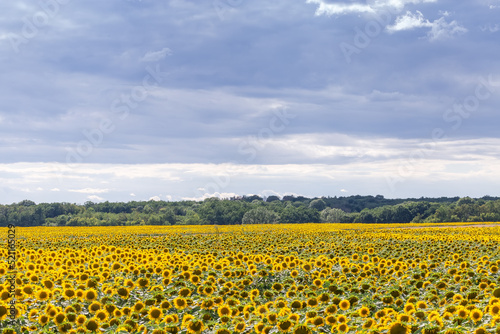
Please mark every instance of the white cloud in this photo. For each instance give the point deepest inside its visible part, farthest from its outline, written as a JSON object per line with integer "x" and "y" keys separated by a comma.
{"x": 156, "y": 55}
{"x": 439, "y": 29}
{"x": 490, "y": 27}
{"x": 442, "y": 29}
{"x": 207, "y": 195}
{"x": 89, "y": 191}
{"x": 328, "y": 8}
{"x": 343, "y": 191}
{"x": 340, "y": 8}
{"x": 268, "y": 192}
{"x": 132, "y": 194}
{"x": 155, "y": 198}
{"x": 55, "y": 189}
{"x": 409, "y": 21}
{"x": 465, "y": 161}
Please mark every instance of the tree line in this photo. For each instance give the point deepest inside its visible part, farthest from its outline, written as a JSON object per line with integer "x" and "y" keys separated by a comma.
{"x": 254, "y": 210}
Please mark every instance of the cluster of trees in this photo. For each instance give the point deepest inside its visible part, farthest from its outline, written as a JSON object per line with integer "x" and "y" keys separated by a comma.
{"x": 254, "y": 210}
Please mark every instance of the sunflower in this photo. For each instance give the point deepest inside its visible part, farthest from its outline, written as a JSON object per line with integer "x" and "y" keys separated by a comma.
{"x": 28, "y": 290}
{"x": 405, "y": 318}
{"x": 364, "y": 312}
{"x": 285, "y": 326}
{"x": 481, "y": 330}
{"x": 138, "y": 306}
{"x": 169, "y": 319}
{"x": 101, "y": 315}
{"x": 342, "y": 318}
{"x": 32, "y": 315}
{"x": 318, "y": 321}
{"x": 195, "y": 326}
{"x": 344, "y": 305}
{"x": 224, "y": 310}
{"x": 122, "y": 292}
{"x": 311, "y": 314}
{"x": 318, "y": 283}
{"x": 267, "y": 329}
{"x": 131, "y": 323}
{"x": 92, "y": 325}
{"x": 68, "y": 293}
{"x": 71, "y": 317}
{"x": 462, "y": 313}
{"x": 90, "y": 295}
{"x": 312, "y": 302}
{"x": 296, "y": 304}
{"x": 280, "y": 303}
{"x": 180, "y": 303}
{"x": 261, "y": 310}
{"x": 258, "y": 327}
{"x": 294, "y": 317}
{"x": 421, "y": 305}
{"x": 4, "y": 295}
{"x": 398, "y": 328}
{"x": 306, "y": 267}
{"x": 43, "y": 319}
{"x": 343, "y": 328}
{"x": 94, "y": 307}
{"x": 64, "y": 328}
{"x": 272, "y": 317}
{"x": 185, "y": 292}
{"x": 433, "y": 315}
{"x": 224, "y": 331}
{"x": 476, "y": 315}
{"x": 155, "y": 314}
{"x": 494, "y": 310}
{"x": 42, "y": 295}
{"x": 52, "y": 312}
{"x": 332, "y": 309}
{"x": 59, "y": 318}
{"x": 302, "y": 329}
{"x": 239, "y": 326}
{"x": 369, "y": 322}
{"x": 34, "y": 278}
{"x": 409, "y": 308}
{"x": 80, "y": 320}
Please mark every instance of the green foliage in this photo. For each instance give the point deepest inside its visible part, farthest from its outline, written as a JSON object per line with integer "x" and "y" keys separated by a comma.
{"x": 317, "y": 204}
{"x": 253, "y": 209}
{"x": 299, "y": 214}
{"x": 332, "y": 215}
{"x": 260, "y": 215}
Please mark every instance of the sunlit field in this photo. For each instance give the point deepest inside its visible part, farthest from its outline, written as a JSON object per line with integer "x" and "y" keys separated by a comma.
{"x": 310, "y": 278}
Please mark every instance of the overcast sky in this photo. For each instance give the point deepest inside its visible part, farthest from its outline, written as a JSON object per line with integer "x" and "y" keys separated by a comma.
{"x": 125, "y": 100}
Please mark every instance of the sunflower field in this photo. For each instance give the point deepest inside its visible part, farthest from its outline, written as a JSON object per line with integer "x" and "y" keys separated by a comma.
{"x": 298, "y": 278}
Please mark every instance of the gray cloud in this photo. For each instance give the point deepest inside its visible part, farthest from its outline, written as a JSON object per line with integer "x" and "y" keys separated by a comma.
{"x": 226, "y": 72}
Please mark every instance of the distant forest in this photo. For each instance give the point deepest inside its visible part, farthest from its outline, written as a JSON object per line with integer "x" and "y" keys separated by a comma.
{"x": 255, "y": 210}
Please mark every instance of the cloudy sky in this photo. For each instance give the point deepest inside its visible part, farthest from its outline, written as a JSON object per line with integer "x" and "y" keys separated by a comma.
{"x": 125, "y": 100}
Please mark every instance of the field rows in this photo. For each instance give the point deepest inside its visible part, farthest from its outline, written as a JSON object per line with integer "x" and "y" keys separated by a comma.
{"x": 310, "y": 278}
